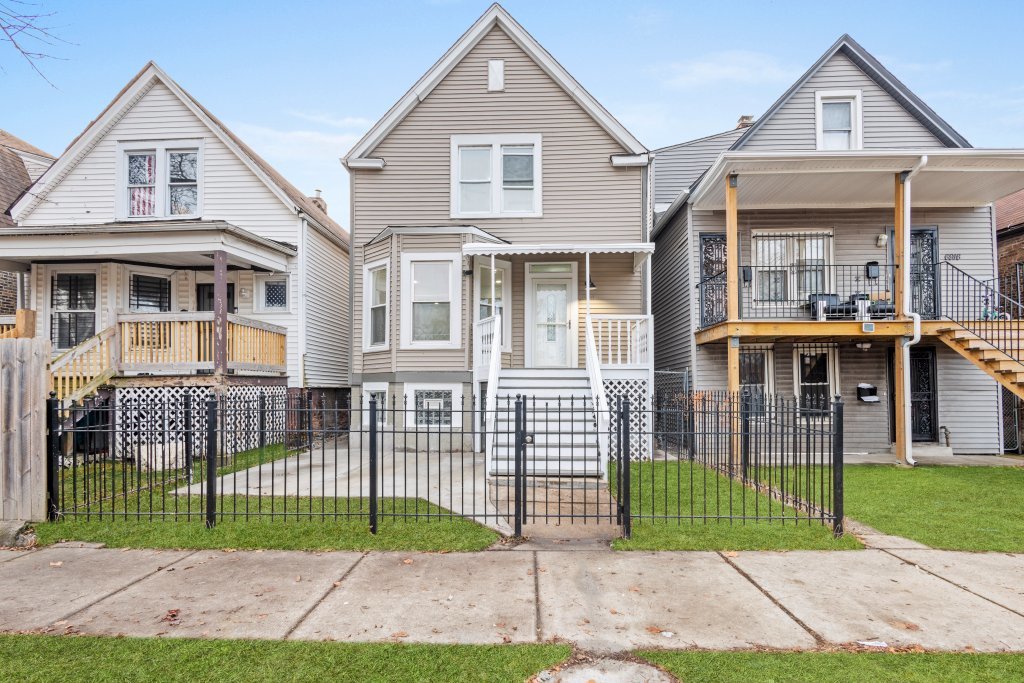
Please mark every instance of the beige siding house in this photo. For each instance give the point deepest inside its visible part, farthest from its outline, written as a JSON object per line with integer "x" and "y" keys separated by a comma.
{"x": 157, "y": 227}
{"x": 498, "y": 159}
{"x": 841, "y": 245}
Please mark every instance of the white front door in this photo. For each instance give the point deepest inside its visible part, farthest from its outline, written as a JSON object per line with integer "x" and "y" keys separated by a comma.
{"x": 551, "y": 332}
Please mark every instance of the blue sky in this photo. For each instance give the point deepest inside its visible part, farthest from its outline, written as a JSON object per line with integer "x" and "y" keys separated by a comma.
{"x": 302, "y": 81}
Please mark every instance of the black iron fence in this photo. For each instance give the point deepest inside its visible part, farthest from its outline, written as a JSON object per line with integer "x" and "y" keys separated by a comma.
{"x": 677, "y": 455}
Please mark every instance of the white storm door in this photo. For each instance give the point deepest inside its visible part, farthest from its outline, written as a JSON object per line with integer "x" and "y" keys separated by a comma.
{"x": 552, "y": 331}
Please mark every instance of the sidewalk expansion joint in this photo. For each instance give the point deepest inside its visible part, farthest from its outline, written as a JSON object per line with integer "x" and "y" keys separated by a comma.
{"x": 536, "y": 596}
{"x": 810, "y": 631}
{"x": 320, "y": 600}
{"x": 125, "y": 587}
{"x": 951, "y": 582}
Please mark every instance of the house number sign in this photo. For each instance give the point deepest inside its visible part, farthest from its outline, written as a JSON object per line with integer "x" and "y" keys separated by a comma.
{"x": 951, "y": 257}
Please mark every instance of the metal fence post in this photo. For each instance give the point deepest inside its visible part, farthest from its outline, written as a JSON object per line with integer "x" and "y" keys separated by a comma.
{"x": 627, "y": 521}
{"x": 187, "y": 408}
{"x": 618, "y": 460}
{"x": 517, "y": 468}
{"x": 262, "y": 409}
{"x": 373, "y": 464}
{"x": 211, "y": 462}
{"x": 837, "y": 468}
{"x": 745, "y": 433}
{"x": 52, "y": 457}
{"x": 309, "y": 420}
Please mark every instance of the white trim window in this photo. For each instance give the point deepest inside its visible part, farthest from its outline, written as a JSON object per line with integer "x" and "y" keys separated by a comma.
{"x": 272, "y": 293}
{"x": 73, "y": 307}
{"x": 378, "y": 390}
{"x": 431, "y": 300}
{"x": 435, "y": 405}
{"x": 482, "y": 296}
{"x": 496, "y": 176}
{"x": 815, "y": 375}
{"x": 161, "y": 179}
{"x": 757, "y": 374}
{"x": 150, "y": 292}
{"x": 790, "y": 266}
{"x": 376, "y": 305}
{"x": 838, "y": 120}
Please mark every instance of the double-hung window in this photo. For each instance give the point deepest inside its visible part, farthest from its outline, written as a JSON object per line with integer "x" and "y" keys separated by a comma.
{"x": 375, "y": 310}
{"x": 757, "y": 375}
{"x": 73, "y": 308}
{"x": 838, "y": 119}
{"x": 161, "y": 179}
{"x": 431, "y": 300}
{"x": 496, "y": 176}
{"x": 791, "y": 266}
{"x": 149, "y": 293}
{"x": 816, "y": 375}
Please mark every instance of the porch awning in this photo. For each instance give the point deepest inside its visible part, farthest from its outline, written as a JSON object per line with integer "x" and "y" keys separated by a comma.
{"x": 861, "y": 179}
{"x": 162, "y": 243}
{"x": 641, "y": 250}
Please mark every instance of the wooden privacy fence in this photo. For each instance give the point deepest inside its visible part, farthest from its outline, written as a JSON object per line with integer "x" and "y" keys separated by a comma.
{"x": 24, "y": 387}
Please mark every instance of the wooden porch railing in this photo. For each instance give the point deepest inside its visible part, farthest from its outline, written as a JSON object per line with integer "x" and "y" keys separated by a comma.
{"x": 77, "y": 371}
{"x": 166, "y": 343}
{"x": 255, "y": 346}
{"x": 21, "y": 325}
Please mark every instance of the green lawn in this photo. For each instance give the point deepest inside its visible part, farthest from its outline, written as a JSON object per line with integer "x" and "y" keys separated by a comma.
{"x": 956, "y": 508}
{"x": 837, "y": 667}
{"x": 55, "y": 658}
{"x": 689, "y": 489}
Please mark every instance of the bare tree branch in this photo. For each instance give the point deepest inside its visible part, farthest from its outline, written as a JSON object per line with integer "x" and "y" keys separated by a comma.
{"x": 24, "y": 27}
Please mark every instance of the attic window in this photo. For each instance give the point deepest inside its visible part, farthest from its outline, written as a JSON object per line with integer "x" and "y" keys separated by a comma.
{"x": 495, "y": 75}
{"x": 160, "y": 179}
{"x": 838, "y": 119}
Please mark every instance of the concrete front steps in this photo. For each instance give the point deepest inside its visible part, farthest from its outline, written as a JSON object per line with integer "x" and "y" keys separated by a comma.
{"x": 559, "y": 417}
{"x": 993, "y": 358}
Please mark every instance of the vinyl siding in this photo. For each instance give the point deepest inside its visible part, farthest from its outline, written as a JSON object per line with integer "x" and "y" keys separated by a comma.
{"x": 969, "y": 404}
{"x": 34, "y": 165}
{"x": 672, "y": 295}
{"x": 328, "y": 319}
{"x": 886, "y": 123}
{"x": 678, "y": 166}
{"x": 585, "y": 199}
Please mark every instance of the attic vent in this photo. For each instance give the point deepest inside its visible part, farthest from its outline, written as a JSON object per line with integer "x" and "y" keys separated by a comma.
{"x": 495, "y": 75}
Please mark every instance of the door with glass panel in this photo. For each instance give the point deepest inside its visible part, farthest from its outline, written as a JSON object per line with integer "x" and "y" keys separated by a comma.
{"x": 552, "y": 299}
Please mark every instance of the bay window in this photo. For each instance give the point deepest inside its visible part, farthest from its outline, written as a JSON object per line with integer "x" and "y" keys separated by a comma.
{"x": 496, "y": 176}
{"x": 375, "y": 306}
{"x": 431, "y": 300}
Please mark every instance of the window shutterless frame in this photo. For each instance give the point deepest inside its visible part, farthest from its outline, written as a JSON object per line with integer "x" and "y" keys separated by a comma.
{"x": 272, "y": 293}
{"x": 830, "y": 388}
{"x": 137, "y": 275}
{"x": 73, "y": 312}
{"x": 161, "y": 181}
{"x": 856, "y": 123}
{"x": 516, "y": 173}
{"x": 454, "y": 299}
{"x": 370, "y": 303}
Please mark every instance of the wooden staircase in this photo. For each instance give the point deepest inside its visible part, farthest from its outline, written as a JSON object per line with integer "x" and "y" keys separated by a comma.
{"x": 993, "y": 347}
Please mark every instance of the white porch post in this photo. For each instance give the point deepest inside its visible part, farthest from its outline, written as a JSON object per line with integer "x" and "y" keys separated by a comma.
{"x": 493, "y": 309}
{"x": 586, "y": 286}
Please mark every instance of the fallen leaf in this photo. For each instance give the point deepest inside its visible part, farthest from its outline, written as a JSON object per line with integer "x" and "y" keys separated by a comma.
{"x": 336, "y": 584}
{"x": 613, "y": 611}
{"x": 732, "y": 553}
{"x": 56, "y": 564}
{"x": 407, "y": 561}
{"x": 399, "y": 634}
{"x": 297, "y": 579}
{"x": 654, "y": 629}
{"x": 634, "y": 589}
{"x": 905, "y": 625}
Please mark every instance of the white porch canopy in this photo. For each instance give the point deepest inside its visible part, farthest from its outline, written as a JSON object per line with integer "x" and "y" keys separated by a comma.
{"x": 861, "y": 179}
{"x": 164, "y": 243}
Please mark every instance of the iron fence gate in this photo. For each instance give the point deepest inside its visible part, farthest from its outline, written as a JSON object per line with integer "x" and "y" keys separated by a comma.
{"x": 684, "y": 455}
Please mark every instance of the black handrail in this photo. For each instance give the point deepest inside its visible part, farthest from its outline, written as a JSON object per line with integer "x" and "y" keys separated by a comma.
{"x": 980, "y": 308}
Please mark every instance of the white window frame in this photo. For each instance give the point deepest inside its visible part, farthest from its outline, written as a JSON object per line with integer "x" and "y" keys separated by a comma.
{"x": 769, "y": 352}
{"x": 496, "y": 142}
{"x": 854, "y": 97}
{"x": 368, "y": 300}
{"x": 150, "y": 272}
{"x": 495, "y": 75}
{"x": 833, "y": 367}
{"x": 411, "y": 388}
{"x": 455, "y": 301}
{"x": 791, "y": 265}
{"x": 505, "y": 268}
{"x": 259, "y": 295}
{"x": 367, "y": 389}
{"x": 55, "y": 270}
{"x": 161, "y": 200}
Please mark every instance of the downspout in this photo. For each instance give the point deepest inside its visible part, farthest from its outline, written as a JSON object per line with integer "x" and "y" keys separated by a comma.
{"x": 908, "y": 299}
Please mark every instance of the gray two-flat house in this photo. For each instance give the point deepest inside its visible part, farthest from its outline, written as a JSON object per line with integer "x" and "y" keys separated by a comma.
{"x": 500, "y": 221}
{"x": 841, "y": 245}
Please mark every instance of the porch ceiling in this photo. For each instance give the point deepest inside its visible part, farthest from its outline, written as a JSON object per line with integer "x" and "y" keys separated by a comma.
{"x": 861, "y": 179}
{"x": 175, "y": 244}
{"x": 484, "y": 249}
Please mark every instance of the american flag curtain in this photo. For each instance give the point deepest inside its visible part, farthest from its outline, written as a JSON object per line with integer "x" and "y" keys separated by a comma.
{"x": 141, "y": 184}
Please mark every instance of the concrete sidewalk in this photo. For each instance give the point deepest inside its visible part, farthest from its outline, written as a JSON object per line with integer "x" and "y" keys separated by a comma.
{"x": 602, "y": 601}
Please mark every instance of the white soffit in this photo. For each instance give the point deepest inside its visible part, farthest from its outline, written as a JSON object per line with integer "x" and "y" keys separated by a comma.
{"x": 479, "y": 249}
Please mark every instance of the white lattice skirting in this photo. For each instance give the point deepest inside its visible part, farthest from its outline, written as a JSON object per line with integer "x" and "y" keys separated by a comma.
{"x": 638, "y": 391}
{"x": 151, "y": 424}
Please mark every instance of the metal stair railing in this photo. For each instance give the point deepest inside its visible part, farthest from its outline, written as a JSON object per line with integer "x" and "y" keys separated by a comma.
{"x": 981, "y": 309}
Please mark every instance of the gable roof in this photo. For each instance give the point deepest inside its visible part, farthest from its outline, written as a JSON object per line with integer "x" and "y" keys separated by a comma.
{"x": 16, "y": 143}
{"x": 885, "y": 80}
{"x": 496, "y": 15}
{"x": 13, "y": 181}
{"x": 290, "y": 195}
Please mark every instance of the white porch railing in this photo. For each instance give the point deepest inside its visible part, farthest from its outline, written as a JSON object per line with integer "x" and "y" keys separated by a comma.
{"x": 487, "y": 356}
{"x": 623, "y": 341}
{"x": 601, "y": 408}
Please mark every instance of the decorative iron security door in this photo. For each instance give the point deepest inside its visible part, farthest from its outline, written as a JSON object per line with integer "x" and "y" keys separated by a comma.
{"x": 923, "y": 261}
{"x": 712, "y": 279}
{"x": 922, "y": 394}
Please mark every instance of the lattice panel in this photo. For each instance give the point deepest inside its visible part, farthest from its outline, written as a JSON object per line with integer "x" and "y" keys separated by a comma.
{"x": 639, "y": 394}
{"x": 151, "y": 424}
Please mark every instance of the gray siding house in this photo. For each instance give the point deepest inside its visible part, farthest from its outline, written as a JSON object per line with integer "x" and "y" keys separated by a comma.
{"x": 794, "y": 258}
{"x": 500, "y": 221}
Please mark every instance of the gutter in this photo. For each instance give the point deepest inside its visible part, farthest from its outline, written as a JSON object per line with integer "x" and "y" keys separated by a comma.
{"x": 907, "y": 298}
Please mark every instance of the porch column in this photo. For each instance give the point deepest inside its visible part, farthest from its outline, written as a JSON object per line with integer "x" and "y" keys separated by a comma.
{"x": 220, "y": 314}
{"x": 901, "y": 354}
{"x": 732, "y": 251}
{"x": 899, "y": 248}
